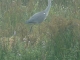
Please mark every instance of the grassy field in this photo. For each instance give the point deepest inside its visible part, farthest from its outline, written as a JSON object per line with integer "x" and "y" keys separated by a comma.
{"x": 57, "y": 38}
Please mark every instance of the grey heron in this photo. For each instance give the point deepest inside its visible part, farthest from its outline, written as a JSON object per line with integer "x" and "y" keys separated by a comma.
{"x": 40, "y": 16}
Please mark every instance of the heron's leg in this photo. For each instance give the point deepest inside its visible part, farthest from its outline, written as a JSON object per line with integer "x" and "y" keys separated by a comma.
{"x": 29, "y": 31}
{"x": 31, "y": 28}
{"x": 39, "y": 29}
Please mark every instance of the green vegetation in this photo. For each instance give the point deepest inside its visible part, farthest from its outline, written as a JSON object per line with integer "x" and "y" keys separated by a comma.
{"x": 57, "y": 38}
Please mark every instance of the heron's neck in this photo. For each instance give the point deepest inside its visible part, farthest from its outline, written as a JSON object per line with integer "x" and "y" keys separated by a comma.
{"x": 48, "y": 7}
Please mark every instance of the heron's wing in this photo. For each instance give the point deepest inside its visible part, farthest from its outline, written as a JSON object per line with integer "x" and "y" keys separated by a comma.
{"x": 37, "y": 18}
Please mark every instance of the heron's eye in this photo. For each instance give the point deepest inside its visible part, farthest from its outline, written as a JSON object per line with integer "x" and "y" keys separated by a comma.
{"x": 44, "y": 13}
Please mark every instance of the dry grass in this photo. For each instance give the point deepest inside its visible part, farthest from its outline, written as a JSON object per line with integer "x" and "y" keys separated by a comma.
{"x": 56, "y": 26}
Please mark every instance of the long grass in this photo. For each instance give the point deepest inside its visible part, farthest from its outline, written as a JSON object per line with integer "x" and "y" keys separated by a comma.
{"x": 57, "y": 38}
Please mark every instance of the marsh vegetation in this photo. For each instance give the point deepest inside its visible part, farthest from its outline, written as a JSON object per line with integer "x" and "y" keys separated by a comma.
{"x": 57, "y": 38}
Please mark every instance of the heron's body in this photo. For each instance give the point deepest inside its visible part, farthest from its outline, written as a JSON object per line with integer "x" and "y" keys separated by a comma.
{"x": 38, "y": 19}
{"x": 40, "y": 16}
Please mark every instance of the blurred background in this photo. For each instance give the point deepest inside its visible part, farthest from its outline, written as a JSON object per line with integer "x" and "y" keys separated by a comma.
{"x": 57, "y": 38}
